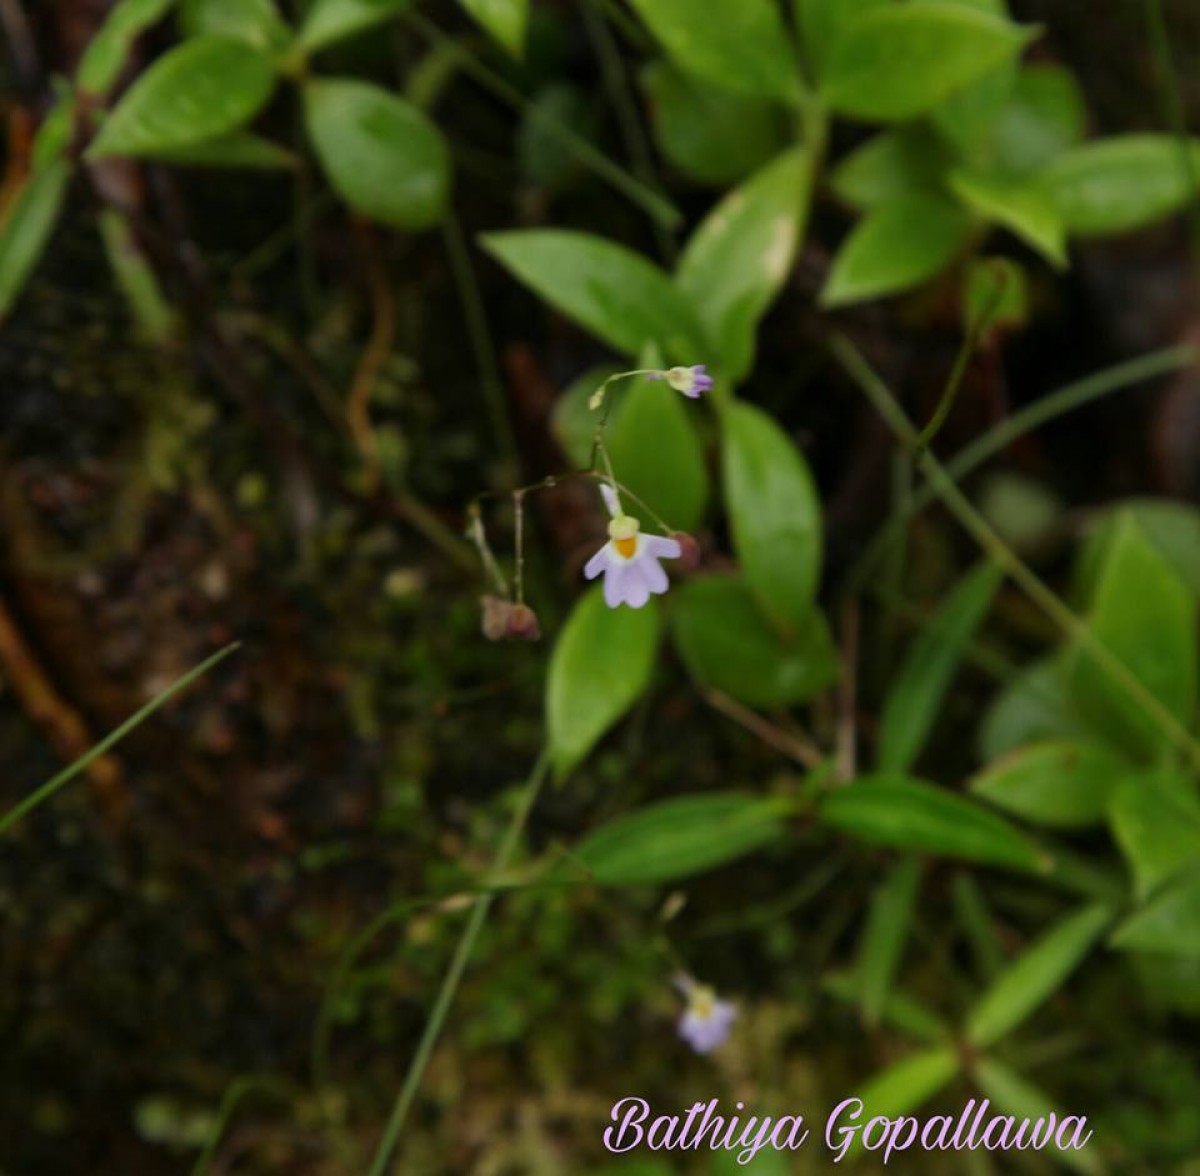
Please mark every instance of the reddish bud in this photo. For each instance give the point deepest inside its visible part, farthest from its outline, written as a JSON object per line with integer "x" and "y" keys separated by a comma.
{"x": 523, "y": 624}
{"x": 689, "y": 549}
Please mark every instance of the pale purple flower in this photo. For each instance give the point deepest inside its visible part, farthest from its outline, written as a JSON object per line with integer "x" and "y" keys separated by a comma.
{"x": 629, "y": 560}
{"x": 691, "y": 381}
{"x": 707, "y": 1020}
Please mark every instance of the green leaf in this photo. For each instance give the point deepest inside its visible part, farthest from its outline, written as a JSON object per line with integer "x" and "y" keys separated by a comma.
{"x": 1035, "y": 705}
{"x": 1169, "y": 924}
{"x": 1146, "y": 617}
{"x": 739, "y": 258}
{"x": 656, "y": 452}
{"x": 1156, "y": 821}
{"x": 601, "y": 665}
{"x": 908, "y": 161}
{"x": 1019, "y": 205}
{"x": 239, "y": 149}
{"x": 1045, "y": 117}
{"x": 739, "y": 45}
{"x": 885, "y": 936}
{"x": 916, "y": 698}
{"x": 822, "y": 23}
{"x": 384, "y": 158}
{"x": 545, "y": 157}
{"x": 710, "y": 135}
{"x": 728, "y": 645}
{"x": 1034, "y": 977}
{"x": 900, "y": 1010}
{"x": 896, "y": 246}
{"x": 203, "y": 88}
{"x": 28, "y": 226}
{"x": 505, "y": 20}
{"x": 1018, "y": 1097}
{"x": 774, "y": 513}
{"x": 679, "y": 838}
{"x": 108, "y": 51}
{"x": 901, "y": 60}
{"x": 1172, "y": 528}
{"x": 966, "y": 118}
{"x": 997, "y": 288}
{"x": 1059, "y": 783}
{"x": 614, "y": 293}
{"x": 1115, "y": 185}
{"x": 906, "y": 1085}
{"x": 255, "y": 21}
{"x": 54, "y": 135}
{"x": 901, "y": 813}
{"x": 335, "y": 20}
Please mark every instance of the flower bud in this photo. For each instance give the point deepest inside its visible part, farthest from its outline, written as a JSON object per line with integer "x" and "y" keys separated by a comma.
{"x": 689, "y": 549}
{"x": 523, "y": 624}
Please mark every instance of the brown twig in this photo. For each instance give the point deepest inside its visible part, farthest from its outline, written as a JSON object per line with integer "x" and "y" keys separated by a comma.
{"x": 793, "y": 746}
{"x": 65, "y": 729}
{"x": 379, "y": 347}
{"x": 847, "y": 724}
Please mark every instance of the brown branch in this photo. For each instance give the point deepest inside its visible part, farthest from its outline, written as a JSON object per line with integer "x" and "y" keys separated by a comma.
{"x": 793, "y": 746}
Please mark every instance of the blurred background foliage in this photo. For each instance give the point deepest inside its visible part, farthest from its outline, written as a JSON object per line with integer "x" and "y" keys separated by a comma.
{"x": 294, "y": 295}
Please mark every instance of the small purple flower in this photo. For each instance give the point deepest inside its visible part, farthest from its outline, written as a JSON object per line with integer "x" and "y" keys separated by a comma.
{"x": 629, "y": 560}
{"x": 706, "y": 1021}
{"x": 691, "y": 381}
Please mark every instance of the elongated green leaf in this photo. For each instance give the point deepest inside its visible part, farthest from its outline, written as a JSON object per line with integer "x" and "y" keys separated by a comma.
{"x": 239, "y": 149}
{"x": 680, "y": 838}
{"x": 738, "y": 259}
{"x": 739, "y": 45}
{"x": 1030, "y": 980}
{"x": 1045, "y": 117}
{"x": 711, "y": 135}
{"x": 616, "y": 294}
{"x": 822, "y": 23}
{"x": 505, "y": 20}
{"x": 1171, "y": 528}
{"x": 916, "y": 697}
{"x": 728, "y": 645}
{"x": 885, "y": 936}
{"x": 901, "y": 1010}
{"x": 1059, "y": 783}
{"x": 1035, "y": 705}
{"x": 28, "y": 226}
{"x": 255, "y": 21}
{"x": 381, "y": 154}
{"x": 1016, "y": 1096}
{"x": 900, "y": 813}
{"x": 600, "y": 666}
{"x": 656, "y": 452}
{"x": 1156, "y": 821}
{"x": 108, "y": 51}
{"x": 1020, "y": 205}
{"x": 1115, "y": 185}
{"x": 907, "y": 161}
{"x": 203, "y": 88}
{"x": 334, "y": 20}
{"x": 774, "y": 513}
{"x": 903, "y": 1087}
{"x": 1146, "y": 617}
{"x": 54, "y": 135}
{"x": 896, "y": 246}
{"x": 1169, "y": 924}
{"x": 901, "y": 60}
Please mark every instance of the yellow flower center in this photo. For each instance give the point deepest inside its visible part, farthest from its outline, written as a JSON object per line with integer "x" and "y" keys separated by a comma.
{"x": 703, "y": 1001}
{"x": 626, "y": 547}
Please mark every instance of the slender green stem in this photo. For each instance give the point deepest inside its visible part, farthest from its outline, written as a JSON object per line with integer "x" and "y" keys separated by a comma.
{"x": 998, "y": 438}
{"x": 234, "y": 1093}
{"x": 458, "y": 965}
{"x": 114, "y": 737}
{"x": 615, "y": 82}
{"x": 1173, "y": 108}
{"x": 650, "y": 201}
{"x": 1072, "y": 626}
{"x": 480, "y": 336}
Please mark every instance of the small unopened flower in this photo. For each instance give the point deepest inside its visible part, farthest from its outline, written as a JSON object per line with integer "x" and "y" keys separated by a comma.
{"x": 691, "y": 381}
{"x": 689, "y": 549}
{"x": 504, "y": 620}
{"x": 629, "y": 560}
{"x": 707, "y": 1020}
